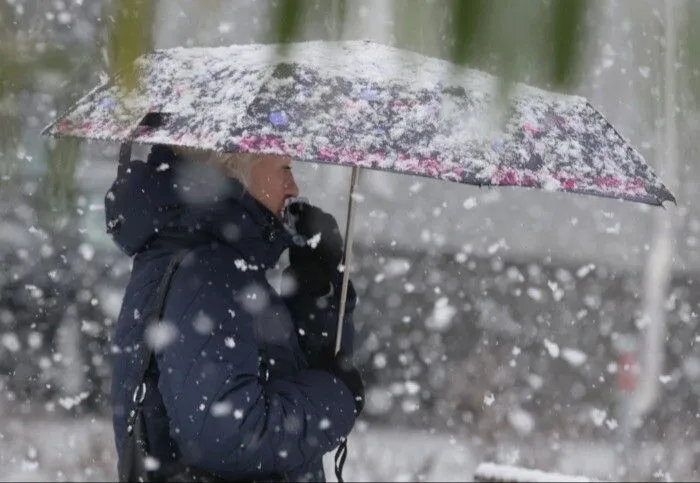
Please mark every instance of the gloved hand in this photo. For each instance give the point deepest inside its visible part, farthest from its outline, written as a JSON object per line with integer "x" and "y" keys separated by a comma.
{"x": 343, "y": 369}
{"x": 312, "y": 283}
{"x": 315, "y": 264}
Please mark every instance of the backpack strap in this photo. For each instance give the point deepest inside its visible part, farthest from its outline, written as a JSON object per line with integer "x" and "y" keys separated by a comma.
{"x": 158, "y": 306}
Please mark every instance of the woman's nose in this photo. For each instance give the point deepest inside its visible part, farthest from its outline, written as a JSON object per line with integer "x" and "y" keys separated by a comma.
{"x": 291, "y": 188}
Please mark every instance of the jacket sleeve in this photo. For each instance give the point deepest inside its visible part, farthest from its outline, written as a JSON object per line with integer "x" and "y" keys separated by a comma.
{"x": 316, "y": 319}
{"x": 226, "y": 419}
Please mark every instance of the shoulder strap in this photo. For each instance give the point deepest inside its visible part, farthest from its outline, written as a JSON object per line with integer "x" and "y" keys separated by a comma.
{"x": 158, "y": 305}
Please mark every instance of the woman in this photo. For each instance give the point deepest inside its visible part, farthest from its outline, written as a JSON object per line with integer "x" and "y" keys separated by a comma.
{"x": 245, "y": 384}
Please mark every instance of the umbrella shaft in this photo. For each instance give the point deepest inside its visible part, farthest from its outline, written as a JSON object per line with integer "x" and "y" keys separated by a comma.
{"x": 347, "y": 255}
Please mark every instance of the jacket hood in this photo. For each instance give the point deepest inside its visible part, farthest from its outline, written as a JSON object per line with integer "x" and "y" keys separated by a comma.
{"x": 185, "y": 202}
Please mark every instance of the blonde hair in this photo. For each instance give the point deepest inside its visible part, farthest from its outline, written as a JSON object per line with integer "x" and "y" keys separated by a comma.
{"x": 233, "y": 165}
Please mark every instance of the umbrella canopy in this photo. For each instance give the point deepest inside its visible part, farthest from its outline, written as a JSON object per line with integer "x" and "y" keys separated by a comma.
{"x": 366, "y": 105}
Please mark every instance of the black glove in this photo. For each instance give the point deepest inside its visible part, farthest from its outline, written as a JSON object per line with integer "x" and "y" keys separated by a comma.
{"x": 348, "y": 374}
{"x": 314, "y": 267}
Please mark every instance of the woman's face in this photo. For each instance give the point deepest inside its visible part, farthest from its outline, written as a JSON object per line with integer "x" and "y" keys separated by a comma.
{"x": 271, "y": 182}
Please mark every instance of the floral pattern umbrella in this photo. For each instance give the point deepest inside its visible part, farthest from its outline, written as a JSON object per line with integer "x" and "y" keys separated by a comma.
{"x": 366, "y": 105}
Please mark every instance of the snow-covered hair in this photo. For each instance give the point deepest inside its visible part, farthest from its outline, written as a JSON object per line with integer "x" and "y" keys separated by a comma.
{"x": 234, "y": 165}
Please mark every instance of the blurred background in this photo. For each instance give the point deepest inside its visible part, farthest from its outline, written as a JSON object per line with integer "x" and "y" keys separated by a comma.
{"x": 539, "y": 329}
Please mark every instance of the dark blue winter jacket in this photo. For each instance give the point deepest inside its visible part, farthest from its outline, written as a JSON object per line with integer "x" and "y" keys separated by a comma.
{"x": 235, "y": 394}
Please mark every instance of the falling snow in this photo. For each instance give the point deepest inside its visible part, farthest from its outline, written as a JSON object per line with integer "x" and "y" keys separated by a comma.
{"x": 491, "y": 322}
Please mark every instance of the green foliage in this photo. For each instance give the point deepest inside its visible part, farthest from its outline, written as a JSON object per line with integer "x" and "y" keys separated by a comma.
{"x": 288, "y": 20}
{"x": 691, "y": 42}
{"x": 13, "y": 71}
{"x": 340, "y": 15}
{"x": 536, "y": 39}
{"x": 567, "y": 33}
{"x": 12, "y": 65}
{"x": 291, "y": 16}
{"x": 408, "y": 28}
{"x": 11, "y": 82}
{"x": 467, "y": 18}
{"x": 22, "y": 57}
{"x": 59, "y": 184}
{"x": 130, "y": 36}
{"x": 31, "y": 48}
{"x": 10, "y": 130}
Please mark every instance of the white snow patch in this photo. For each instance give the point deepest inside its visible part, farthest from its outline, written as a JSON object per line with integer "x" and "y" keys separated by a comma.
{"x": 244, "y": 266}
{"x": 585, "y": 270}
{"x": 665, "y": 379}
{"x": 161, "y": 335}
{"x": 314, "y": 240}
{"x": 535, "y": 294}
{"x": 552, "y": 348}
{"x": 470, "y": 203}
{"x": 557, "y": 292}
{"x": 379, "y": 401}
{"x": 412, "y": 387}
{"x": 379, "y": 361}
{"x": 35, "y": 340}
{"x": 598, "y": 416}
{"x": 254, "y": 298}
{"x": 11, "y": 342}
{"x": 87, "y": 251}
{"x": 221, "y": 408}
{"x": 535, "y": 381}
{"x": 34, "y": 291}
{"x": 521, "y": 420}
{"x": 495, "y": 247}
{"x": 574, "y": 357}
{"x": 495, "y": 472}
{"x": 358, "y": 197}
{"x": 203, "y": 324}
{"x": 410, "y": 406}
{"x": 416, "y": 187}
{"x": 442, "y": 315}
{"x": 396, "y": 267}
{"x": 70, "y": 402}
{"x": 225, "y": 27}
{"x": 151, "y": 463}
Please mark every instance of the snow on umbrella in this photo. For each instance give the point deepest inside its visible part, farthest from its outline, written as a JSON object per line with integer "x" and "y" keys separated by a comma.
{"x": 366, "y": 105}
{"x": 363, "y": 104}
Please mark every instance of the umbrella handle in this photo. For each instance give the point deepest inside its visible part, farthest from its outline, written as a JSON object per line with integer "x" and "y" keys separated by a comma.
{"x": 347, "y": 255}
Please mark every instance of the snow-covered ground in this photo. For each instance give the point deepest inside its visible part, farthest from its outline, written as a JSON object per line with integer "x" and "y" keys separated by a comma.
{"x": 42, "y": 449}
{"x": 55, "y": 449}
{"x": 45, "y": 449}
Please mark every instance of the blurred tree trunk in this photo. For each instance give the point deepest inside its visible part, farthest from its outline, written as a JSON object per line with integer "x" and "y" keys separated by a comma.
{"x": 658, "y": 271}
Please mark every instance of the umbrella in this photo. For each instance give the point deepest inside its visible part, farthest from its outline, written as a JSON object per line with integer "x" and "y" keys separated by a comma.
{"x": 365, "y": 105}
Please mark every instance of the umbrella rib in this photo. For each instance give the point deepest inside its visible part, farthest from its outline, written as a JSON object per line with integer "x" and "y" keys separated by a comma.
{"x": 347, "y": 255}
{"x": 78, "y": 104}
